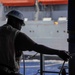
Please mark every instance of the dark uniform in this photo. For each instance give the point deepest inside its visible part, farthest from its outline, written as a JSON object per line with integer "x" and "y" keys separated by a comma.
{"x": 7, "y": 48}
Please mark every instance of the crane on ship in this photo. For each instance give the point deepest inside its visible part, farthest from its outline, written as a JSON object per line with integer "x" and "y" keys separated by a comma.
{"x": 46, "y": 21}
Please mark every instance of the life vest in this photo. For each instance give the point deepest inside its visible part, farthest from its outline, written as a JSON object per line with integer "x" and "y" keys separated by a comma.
{"x": 7, "y": 48}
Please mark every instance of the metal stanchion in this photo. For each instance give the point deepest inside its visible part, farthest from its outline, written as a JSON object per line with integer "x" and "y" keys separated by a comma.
{"x": 23, "y": 64}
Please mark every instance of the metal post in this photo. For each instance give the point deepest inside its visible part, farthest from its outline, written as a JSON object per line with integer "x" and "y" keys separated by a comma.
{"x": 71, "y": 30}
{"x": 23, "y": 64}
{"x": 42, "y": 64}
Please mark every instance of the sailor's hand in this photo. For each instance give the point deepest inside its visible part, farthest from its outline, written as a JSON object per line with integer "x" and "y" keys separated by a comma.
{"x": 64, "y": 55}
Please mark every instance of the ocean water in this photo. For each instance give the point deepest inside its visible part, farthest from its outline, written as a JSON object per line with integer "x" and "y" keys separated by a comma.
{"x": 32, "y": 67}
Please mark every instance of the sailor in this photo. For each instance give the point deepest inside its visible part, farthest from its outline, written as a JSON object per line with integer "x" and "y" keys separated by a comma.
{"x": 13, "y": 42}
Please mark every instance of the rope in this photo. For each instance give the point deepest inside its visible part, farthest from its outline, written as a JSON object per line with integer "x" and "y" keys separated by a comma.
{"x": 30, "y": 57}
{"x": 61, "y": 68}
{"x": 71, "y": 55}
{"x": 27, "y": 58}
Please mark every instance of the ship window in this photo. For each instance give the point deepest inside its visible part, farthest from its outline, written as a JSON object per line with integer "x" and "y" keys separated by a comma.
{"x": 46, "y": 19}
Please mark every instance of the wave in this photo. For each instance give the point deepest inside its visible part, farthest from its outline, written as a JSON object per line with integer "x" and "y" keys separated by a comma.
{"x": 36, "y": 60}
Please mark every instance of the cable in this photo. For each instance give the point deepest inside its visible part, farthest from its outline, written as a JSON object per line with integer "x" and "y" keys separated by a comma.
{"x": 29, "y": 57}
{"x": 62, "y": 68}
{"x": 71, "y": 55}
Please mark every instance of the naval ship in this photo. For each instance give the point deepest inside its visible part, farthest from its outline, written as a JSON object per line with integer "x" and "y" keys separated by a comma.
{"x": 46, "y": 20}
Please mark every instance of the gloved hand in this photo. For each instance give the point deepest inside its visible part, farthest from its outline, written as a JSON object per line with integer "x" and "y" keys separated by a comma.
{"x": 64, "y": 55}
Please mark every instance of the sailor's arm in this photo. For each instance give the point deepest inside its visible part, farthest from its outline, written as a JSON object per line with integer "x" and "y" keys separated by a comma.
{"x": 23, "y": 42}
{"x": 46, "y": 50}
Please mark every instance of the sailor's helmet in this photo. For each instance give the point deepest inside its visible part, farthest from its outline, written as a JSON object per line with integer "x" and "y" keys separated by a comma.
{"x": 17, "y": 14}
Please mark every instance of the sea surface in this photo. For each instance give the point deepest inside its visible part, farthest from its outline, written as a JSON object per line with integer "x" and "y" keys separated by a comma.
{"x": 32, "y": 67}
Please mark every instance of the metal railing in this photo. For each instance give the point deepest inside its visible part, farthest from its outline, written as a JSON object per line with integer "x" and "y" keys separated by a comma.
{"x": 42, "y": 66}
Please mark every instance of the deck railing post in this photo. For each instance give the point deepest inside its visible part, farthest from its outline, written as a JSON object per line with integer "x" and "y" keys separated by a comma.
{"x": 42, "y": 67}
{"x": 71, "y": 30}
